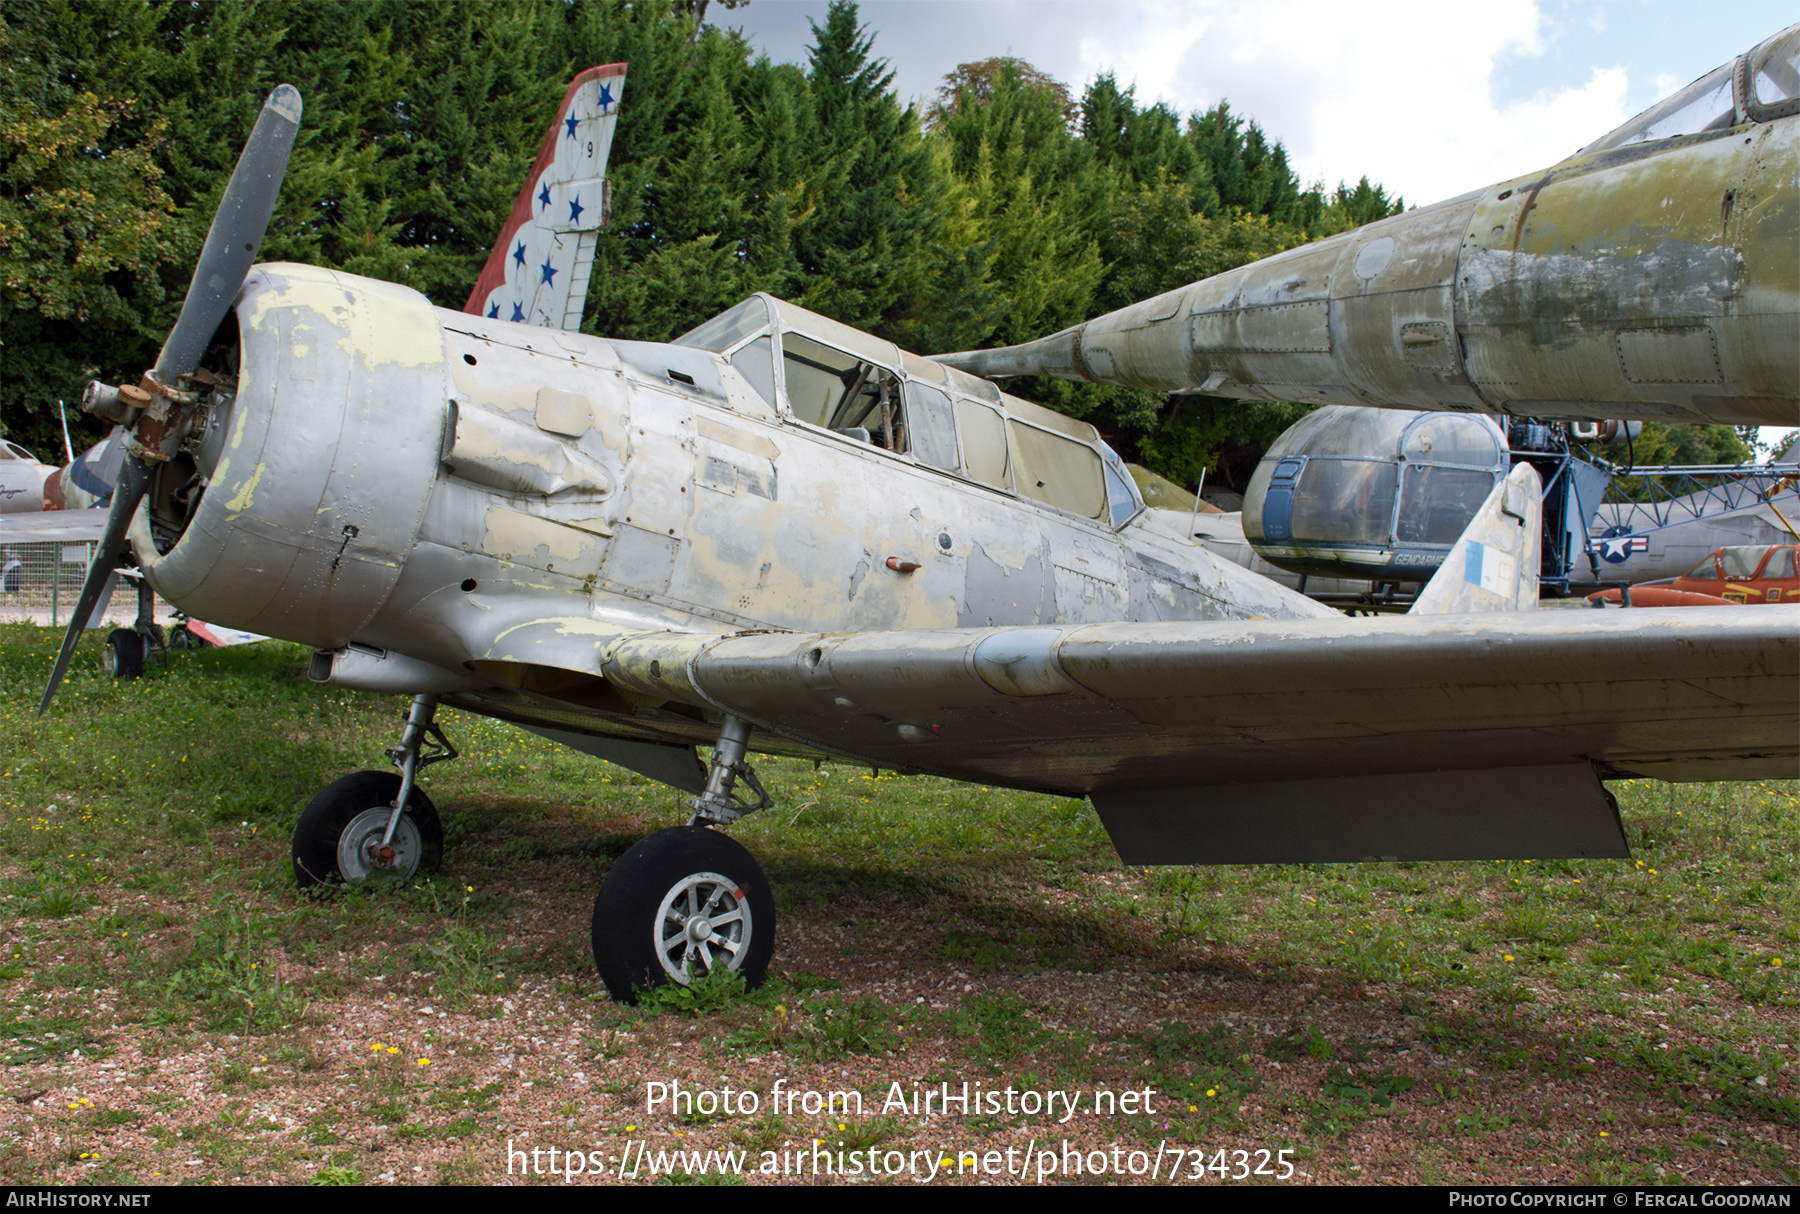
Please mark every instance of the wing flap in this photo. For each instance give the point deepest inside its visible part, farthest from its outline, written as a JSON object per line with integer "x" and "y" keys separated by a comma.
{"x": 1509, "y": 813}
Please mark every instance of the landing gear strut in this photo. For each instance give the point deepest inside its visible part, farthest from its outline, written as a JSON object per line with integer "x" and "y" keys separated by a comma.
{"x": 377, "y": 823}
{"x": 688, "y": 901}
{"x": 127, "y": 649}
{"x": 718, "y": 803}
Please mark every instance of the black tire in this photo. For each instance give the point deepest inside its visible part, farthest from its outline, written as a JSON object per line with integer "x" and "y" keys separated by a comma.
{"x": 323, "y": 825}
{"x": 181, "y": 637}
{"x": 124, "y": 656}
{"x": 629, "y": 914}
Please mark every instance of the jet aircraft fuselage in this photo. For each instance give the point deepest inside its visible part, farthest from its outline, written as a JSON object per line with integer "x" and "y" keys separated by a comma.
{"x": 1651, "y": 276}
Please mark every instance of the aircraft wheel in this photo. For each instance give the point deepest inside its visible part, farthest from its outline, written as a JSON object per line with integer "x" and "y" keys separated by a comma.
{"x": 124, "y": 656}
{"x": 181, "y": 637}
{"x": 338, "y": 838}
{"x": 681, "y": 903}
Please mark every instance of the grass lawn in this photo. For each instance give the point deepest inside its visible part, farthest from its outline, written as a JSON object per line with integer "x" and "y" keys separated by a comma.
{"x": 172, "y": 1010}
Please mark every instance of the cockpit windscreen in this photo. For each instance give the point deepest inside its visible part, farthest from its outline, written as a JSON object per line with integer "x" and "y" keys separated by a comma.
{"x": 1704, "y": 105}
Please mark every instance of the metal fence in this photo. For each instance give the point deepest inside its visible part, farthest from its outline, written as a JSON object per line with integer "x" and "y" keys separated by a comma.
{"x": 40, "y": 583}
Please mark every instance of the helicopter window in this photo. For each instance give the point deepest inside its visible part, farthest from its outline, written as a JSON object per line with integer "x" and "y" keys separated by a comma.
{"x": 728, "y": 328}
{"x": 983, "y": 443}
{"x": 1705, "y": 105}
{"x": 933, "y": 426}
{"x": 756, "y": 362}
{"x": 1437, "y": 503}
{"x": 1350, "y": 499}
{"x": 1057, "y": 471}
{"x": 1438, "y": 438}
{"x": 1775, "y": 68}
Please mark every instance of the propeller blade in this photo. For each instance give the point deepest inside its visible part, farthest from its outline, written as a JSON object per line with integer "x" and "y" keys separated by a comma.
{"x": 133, "y": 483}
{"x": 236, "y": 234}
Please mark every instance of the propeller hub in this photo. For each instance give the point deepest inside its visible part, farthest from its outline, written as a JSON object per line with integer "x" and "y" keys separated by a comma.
{"x": 163, "y": 416}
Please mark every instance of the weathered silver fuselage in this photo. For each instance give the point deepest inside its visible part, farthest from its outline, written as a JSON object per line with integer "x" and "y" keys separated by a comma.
{"x": 466, "y": 506}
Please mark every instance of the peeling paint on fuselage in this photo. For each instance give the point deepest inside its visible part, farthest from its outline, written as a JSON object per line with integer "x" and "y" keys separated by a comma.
{"x": 525, "y": 478}
{"x": 241, "y": 500}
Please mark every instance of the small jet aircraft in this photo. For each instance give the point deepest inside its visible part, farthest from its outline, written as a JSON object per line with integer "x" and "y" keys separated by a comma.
{"x": 779, "y": 534}
{"x": 1649, "y": 276}
{"x": 23, "y": 479}
{"x": 1742, "y": 573}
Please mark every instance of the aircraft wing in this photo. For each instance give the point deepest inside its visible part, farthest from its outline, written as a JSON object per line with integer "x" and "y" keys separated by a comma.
{"x": 53, "y": 526}
{"x": 1423, "y": 737}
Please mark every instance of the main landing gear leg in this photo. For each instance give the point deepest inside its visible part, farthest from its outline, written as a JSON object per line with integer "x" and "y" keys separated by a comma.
{"x": 688, "y": 901}
{"x": 127, "y": 649}
{"x": 719, "y": 803}
{"x": 376, "y": 823}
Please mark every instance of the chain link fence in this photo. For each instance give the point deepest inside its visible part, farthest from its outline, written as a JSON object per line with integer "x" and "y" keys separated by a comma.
{"x": 40, "y": 583}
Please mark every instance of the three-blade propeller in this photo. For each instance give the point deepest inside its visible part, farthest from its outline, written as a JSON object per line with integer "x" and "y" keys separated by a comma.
{"x": 236, "y": 234}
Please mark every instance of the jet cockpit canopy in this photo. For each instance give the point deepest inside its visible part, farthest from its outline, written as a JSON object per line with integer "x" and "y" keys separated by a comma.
{"x": 1758, "y": 87}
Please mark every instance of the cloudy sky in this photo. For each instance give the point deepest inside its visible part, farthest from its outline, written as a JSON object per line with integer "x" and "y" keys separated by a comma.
{"x": 1429, "y": 99}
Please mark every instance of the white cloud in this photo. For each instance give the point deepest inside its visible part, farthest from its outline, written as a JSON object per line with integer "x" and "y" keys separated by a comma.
{"x": 1402, "y": 92}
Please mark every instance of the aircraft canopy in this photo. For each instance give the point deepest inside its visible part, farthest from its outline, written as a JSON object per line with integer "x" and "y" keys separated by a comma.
{"x": 1711, "y": 104}
{"x": 868, "y": 390}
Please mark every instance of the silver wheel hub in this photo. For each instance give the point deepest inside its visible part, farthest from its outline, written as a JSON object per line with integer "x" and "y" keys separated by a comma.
{"x": 703, "y": 925}
{"x": 361, "y": 853}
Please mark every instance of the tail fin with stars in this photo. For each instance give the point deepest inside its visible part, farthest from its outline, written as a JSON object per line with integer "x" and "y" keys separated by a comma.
{"x": 538, "y": 270}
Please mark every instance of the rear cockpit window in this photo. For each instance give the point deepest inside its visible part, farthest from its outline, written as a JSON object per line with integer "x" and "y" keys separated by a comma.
{"x": 1057, "y": 471}
{"x": 1775, "y": 69}
{"x": 983, "y": 443}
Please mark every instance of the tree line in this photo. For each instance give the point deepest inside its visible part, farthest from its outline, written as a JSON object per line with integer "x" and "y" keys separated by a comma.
{"x": 1006, "y": 210}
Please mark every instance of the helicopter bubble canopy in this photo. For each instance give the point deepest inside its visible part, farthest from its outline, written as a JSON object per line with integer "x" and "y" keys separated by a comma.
{"x": 1375, "y": 493}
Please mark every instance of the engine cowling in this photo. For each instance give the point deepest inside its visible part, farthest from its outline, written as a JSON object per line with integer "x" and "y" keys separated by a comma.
{"x": 294, "y": 510}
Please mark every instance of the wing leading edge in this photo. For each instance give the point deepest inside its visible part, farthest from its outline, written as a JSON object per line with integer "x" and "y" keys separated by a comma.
{"x": 1435, "y": 737}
